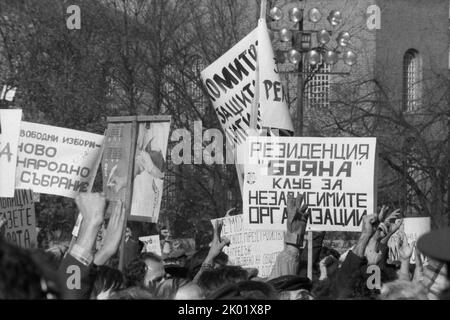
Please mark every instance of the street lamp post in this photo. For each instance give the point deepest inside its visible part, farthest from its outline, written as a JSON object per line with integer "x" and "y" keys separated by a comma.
{"x": 300, "y": 85}
{"x": 321, "y": 54}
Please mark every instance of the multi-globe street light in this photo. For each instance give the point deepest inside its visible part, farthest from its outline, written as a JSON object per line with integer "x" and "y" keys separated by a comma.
{"x": 302, "y": 51}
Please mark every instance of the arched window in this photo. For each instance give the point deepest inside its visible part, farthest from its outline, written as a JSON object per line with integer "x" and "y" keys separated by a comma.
{"x": 412, "y": 80}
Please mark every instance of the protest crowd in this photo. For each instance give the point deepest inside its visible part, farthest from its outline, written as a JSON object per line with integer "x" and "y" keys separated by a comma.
{"x": 81, "y": 273}
{"x": 294, "y": 189}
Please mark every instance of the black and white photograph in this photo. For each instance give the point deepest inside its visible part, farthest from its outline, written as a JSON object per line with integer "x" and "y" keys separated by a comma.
{"x": 225, "y": 157}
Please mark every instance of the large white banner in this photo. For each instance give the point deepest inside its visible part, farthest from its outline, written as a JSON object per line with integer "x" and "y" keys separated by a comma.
{"x": 335, "y": 175}
{"x": 249, "y": 248}
{"x": 57, "y": 160}
{"x": 9, "y": 139}
{"x": 230, "y": 84}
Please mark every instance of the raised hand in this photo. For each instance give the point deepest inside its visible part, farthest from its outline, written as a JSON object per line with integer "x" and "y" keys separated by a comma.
{"x": 328, "y": 266}
{"x": 217, "y": 243}
{"x": 391, "y": 229}
{"x": 113, "y": 235}
{"x": 92, "y": 207}
{"x": 372, "y": 252}
{"x": 393, "y": 216}
{"x": 298, "y": 215}
{"x": 369, "y": 224}
{"x": 405, "y": 250}
{"x": 418, "y": 271}
{"x": 382, "y": 213}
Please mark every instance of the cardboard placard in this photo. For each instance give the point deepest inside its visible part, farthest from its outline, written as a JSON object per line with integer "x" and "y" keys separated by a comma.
{"x": 249, "y": 248}
{"x": 57, "y": 161}
{"x": 20, "y": 219}
{"x": 9, "y": 140}
{"x": 151, "y": 244}
{"x": 335, "y": 175}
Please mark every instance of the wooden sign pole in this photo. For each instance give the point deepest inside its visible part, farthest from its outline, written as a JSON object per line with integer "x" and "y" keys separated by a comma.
{"x": 127, "y": 205}
{"x": 310, "y": 255}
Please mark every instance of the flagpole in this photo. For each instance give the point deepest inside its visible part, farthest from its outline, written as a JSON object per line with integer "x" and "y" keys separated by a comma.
{"x": 255, "y": 102}
{"x": 262, "y": 12}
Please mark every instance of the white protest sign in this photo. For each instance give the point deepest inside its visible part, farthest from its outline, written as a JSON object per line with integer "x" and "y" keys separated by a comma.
{"x": 9, "y": 139}
{"x": 251, "y": 249}
{"x": 20, "y": 219}
{"x": 57, "y": 161}
{"x": 414, "y": 228}
{"x": 230, "y": 84}
{"x": 151, "y": 244}
{"x": 335, "y": 175}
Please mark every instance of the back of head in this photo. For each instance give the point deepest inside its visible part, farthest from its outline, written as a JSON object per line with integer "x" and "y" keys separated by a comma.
{"x": 246, "y": 290}
{"x": 325, "y": 251}
{"x": 132, "y": 293}
{"x": 212, "y": 280}
{"x": 24, "y": 275}
{"x": 290, "y": 283}
{"x": 56, "y": 254}
{"x": 291, "y": 287}
{"x": 176, "y": 271}
{"x": 107, "y": 280}
{"x": 167, "y": 289}
{"x": 135, "y": 270}
{"x": 195, "y": 262}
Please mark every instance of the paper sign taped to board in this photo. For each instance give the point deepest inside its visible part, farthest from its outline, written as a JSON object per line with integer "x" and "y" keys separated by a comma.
{"x": 151, "y": 244}
{"x": 57, "y": 161}
{"x": 20, "y": 227}
{"x": 9, "y": 140}
{"x": 335, "y": 175}
{"x": 249, "y": 248}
